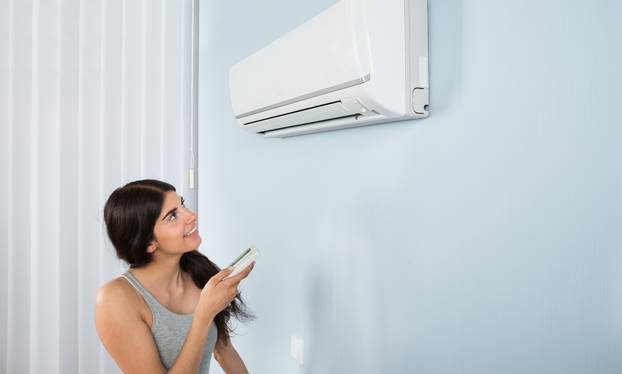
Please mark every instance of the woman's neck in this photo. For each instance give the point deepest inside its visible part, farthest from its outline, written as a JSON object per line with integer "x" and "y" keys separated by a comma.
{"x": 163, "y": 274}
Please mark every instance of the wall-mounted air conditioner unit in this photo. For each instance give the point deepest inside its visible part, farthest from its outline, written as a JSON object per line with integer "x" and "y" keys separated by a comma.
{"x": 360, "y": 62}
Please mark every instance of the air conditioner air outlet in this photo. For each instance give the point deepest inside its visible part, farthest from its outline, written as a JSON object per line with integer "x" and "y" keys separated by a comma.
{"x": 317, "y": 113}
{"x": 331, "y": 120}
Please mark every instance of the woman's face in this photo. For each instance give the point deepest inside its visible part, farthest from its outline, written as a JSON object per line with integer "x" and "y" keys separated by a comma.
{"x": 176, "y": 230}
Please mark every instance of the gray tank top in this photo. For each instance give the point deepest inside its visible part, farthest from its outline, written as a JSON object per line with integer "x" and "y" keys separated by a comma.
{"x": 169, "y": 329}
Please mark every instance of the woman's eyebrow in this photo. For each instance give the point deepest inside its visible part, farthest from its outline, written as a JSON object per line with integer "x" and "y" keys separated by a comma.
{"x": 169, "y": 212}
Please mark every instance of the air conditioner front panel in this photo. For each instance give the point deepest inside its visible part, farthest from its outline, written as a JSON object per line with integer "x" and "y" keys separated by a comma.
{"x": 360, "y": 62}
{"x": 321, "y": 55}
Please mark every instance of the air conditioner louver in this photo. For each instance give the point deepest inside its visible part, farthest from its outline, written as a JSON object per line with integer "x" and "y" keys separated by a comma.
{"x": 323, "y": 112}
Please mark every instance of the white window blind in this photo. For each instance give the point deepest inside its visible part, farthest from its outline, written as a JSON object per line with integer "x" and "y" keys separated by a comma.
{"x": 93, "y": 94}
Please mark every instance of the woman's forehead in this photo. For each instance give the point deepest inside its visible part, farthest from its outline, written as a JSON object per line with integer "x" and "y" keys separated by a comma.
{"x": 171, "y": 200}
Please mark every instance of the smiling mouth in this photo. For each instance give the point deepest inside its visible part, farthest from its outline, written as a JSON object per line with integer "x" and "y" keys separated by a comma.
{"x": 190, "y": 232}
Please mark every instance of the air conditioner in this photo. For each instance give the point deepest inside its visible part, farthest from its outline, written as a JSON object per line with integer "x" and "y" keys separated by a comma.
{"x": 359, "y": 62}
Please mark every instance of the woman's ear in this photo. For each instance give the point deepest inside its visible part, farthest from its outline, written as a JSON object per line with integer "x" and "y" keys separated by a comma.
{"x": 153, "y": 246}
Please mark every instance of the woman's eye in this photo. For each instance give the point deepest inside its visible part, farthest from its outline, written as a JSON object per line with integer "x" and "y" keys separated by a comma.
{"x": 172, "y": 216}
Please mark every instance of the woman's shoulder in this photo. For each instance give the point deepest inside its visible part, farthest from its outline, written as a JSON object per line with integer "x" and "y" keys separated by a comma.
{"x": 119, "y": 296}
{"x": 115, "y": 290}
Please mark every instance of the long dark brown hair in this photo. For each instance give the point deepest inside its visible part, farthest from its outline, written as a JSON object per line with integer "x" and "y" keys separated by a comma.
{"x": 131, "y": 213}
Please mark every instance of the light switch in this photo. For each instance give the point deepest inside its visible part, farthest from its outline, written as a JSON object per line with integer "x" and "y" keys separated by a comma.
{"x": 296, "y": 349}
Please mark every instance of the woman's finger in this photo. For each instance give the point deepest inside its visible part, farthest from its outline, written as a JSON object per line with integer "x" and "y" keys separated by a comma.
{"x": 241, "y": 275}
{"x": 218, "y": 277}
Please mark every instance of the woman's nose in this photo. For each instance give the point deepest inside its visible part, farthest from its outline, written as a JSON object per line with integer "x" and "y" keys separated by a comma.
{"x": 192, "y": 216}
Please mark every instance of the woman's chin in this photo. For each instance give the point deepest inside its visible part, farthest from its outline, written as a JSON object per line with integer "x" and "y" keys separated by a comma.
{"x": 195, "y": 242}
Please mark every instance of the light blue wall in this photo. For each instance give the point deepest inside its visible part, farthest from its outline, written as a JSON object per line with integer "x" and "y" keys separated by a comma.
{"x": 484, "y": 239}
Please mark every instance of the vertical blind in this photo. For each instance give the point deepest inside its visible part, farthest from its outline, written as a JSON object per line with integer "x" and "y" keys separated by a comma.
{"x": 93, "y": 94}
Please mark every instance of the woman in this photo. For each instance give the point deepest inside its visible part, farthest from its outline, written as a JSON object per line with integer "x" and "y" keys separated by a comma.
{"x": 171, "y": 309}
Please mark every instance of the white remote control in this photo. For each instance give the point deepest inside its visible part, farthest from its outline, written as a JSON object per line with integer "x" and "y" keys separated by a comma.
{"x": 245, "y": 259}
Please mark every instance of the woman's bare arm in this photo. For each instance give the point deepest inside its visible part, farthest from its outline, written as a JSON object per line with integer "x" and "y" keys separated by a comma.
{"x": 123, "y": 331}
{"x": 229, "y": 359}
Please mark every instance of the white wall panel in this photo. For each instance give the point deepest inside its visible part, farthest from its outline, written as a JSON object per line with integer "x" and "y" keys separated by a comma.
{"x": 93, "y": 94}
{"x": 69, "y": 145}
{"x": 45, "y": 252}
{"x": 18, "y": 334}
{"x": 173, "y": 89}
{"x": 185, "y": 100}
{"x": 6, "y": 113}
{"x": 153, "y": 84}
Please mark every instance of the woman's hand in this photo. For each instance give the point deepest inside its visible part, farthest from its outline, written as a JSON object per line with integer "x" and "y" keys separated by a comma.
{"x": 218, "y": 292}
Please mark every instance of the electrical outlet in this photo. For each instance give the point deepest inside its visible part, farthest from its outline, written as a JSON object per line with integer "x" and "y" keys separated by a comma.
{"x": 296, "y": 349}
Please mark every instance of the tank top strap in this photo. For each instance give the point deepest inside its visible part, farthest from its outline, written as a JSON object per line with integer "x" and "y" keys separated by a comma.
{"x": 154, "y": 305}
